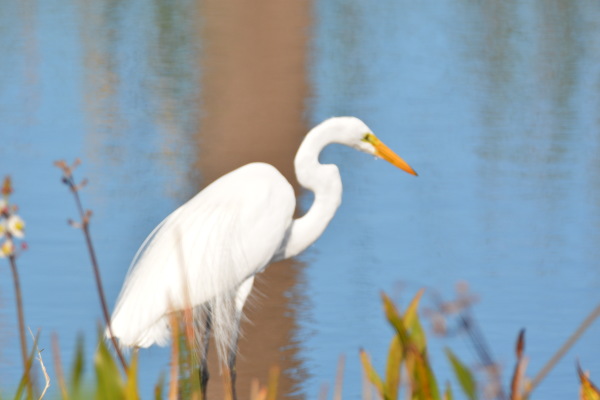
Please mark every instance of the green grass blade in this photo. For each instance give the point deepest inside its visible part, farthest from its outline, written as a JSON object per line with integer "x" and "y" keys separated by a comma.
{"x": 417, "y": 334}
{"x": 78, "y": 367}
{"x": 448, "y": 392}
{"x": 394, "y": 318}
{"x": 108, "y": 377}
{"x": 131, "y": 386}
{"x": 463, "y": 375}
{"x": 410, "y": 315}
{"x": 394, "y": 363}
{"x": 431, "y": 380}
{"x": 372, "y": 374}
{"x": 25, "y": 381}
{"x": 413, "y": 323}
{"x": 424, "y": 385}
{"x": 159, "y": 388}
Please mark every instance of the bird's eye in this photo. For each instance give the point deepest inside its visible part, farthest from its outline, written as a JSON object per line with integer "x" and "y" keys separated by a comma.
{"x": 368, "y": 137}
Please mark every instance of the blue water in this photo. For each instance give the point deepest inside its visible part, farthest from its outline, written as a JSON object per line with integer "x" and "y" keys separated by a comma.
{"x": 496, "y": 105}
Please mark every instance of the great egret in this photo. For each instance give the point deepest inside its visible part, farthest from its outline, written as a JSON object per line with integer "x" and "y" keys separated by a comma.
{"x": 207, "y": 252}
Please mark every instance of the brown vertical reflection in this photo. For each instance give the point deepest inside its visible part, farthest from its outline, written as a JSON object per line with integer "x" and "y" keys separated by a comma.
{"x": 101, "y": 79}
{"x": 253, "y": 92}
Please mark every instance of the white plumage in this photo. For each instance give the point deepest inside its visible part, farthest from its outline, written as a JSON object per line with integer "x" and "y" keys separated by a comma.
{"x": 206, "y": 253}
{"x": 200, "y": 248}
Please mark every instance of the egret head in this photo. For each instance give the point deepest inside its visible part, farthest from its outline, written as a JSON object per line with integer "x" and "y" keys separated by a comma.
{"x": 355, "y": 133}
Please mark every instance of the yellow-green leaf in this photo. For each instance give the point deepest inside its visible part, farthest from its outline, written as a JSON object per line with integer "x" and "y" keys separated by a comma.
{"x": 26, "y": 383}
{"x": 448, "y": 392}
{"x": 431, "y": 380}
{"x": 588, "y": 390}
{"x": 463, "y": 375}
{"x": 412, "y": 322}
{"x": 131, "y": 386}
{"x": 78, "y": 367}
{"x": 159, "y": 387}
{"x": 395, "y": 320}
{"x": 108, "y": 377}
{"x": 417, "y": 334}
{"x": 423, "y": 380}
{"x": 392, "y": 373}
{"x": 410, "y": 315}
{"x": 371, "y": 373}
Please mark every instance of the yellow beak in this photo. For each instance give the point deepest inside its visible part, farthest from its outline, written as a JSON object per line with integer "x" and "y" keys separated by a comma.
{"x": 382, "y": 151}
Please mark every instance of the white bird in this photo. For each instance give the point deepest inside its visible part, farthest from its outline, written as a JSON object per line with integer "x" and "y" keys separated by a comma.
{"x": 207, "y": 252}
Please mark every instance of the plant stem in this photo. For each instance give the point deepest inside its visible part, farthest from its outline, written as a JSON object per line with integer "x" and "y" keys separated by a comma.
{"x": 21, "y": 318}
{"x": 482, "y": 349}
{"x": 563, "y": 349}
{"x": 58, "y": 368}
{"x": 88, "y": 239}
{"x": 13, "y": 268}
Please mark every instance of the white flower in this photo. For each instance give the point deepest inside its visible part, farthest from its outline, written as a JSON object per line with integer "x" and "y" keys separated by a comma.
{"x": 2, "y": 227}
{"x": 7, "y": 249}
{"x": 16, "y": 226}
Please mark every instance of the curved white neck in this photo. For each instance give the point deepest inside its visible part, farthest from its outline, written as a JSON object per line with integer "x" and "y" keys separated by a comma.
{"x": 325, "y": 182}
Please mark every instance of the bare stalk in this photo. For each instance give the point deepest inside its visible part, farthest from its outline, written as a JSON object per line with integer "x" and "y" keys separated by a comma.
{"x": 482, "y": 350}
{"x": 8, "y": 249}
{"x": 563, "y": 349}
{"x": 58, "y": 368}
{"x": 99, "y": 287}
{"x": 21, "y": 317}
{"x": 467, "y": 324}
{"x": 85, "y": 227}
{"x": 339, "y": 378}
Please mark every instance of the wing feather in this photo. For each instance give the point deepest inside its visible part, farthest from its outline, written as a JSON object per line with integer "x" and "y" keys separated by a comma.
{"x": 204, "y": 249}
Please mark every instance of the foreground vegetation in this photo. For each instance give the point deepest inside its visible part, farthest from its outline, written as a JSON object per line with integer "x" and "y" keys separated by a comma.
{"x": 407, "y": 373}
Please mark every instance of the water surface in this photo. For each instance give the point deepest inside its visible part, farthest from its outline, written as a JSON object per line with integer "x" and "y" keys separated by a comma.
{"x": 494, "y": 104}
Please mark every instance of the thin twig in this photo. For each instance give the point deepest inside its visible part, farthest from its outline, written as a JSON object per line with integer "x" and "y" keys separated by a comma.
{"x": 477, "y": 339}
{"x": 100, "y": 289}
{"x": 483, "y": 351}
{"x": 85, "y": 227}
{"x": 563, "y": 349}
